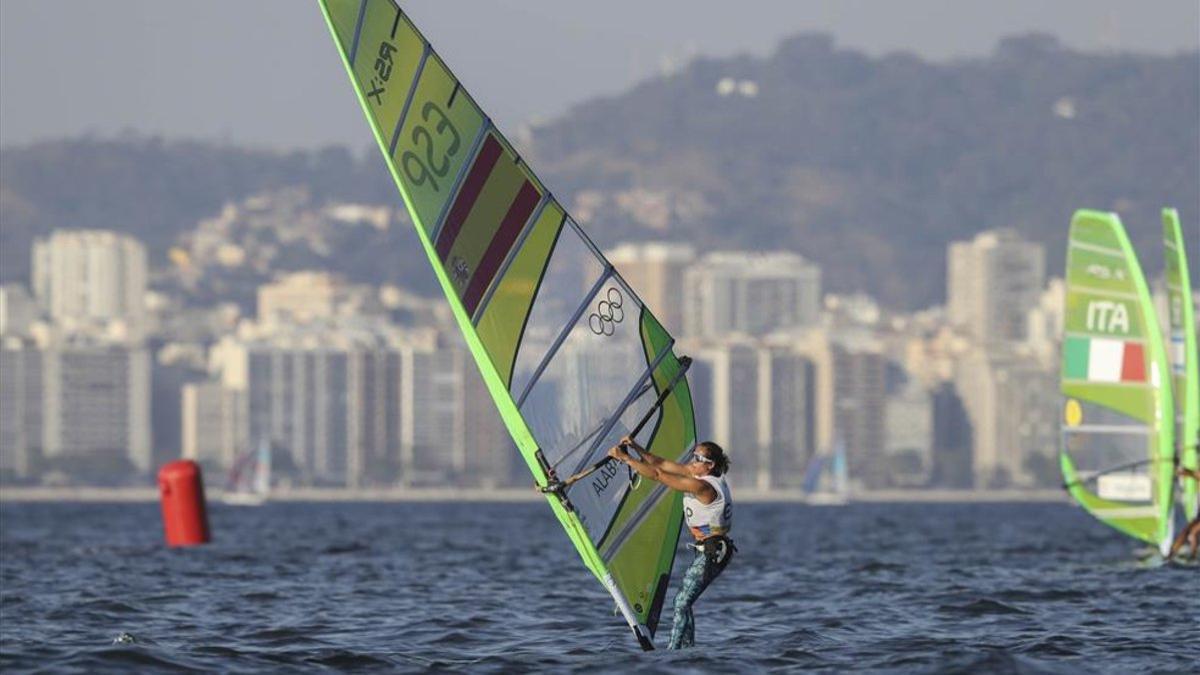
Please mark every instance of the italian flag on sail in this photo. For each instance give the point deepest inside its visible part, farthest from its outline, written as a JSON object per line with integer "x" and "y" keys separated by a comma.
{"x": 1104, "y": 360}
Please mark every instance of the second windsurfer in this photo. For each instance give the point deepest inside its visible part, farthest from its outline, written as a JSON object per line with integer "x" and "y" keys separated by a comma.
{"x": 1191, "y": 533}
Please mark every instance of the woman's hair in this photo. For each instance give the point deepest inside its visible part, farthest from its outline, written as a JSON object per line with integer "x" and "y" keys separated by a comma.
{"x": 717, "y": 455}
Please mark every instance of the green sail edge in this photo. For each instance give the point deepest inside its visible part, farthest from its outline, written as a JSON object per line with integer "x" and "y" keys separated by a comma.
{"x": 507, "y": 407}
{"x": 1188, "y": 395}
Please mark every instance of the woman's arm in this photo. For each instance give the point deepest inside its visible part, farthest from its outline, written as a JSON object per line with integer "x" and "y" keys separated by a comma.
{"x": 703, "y": 491}
{"x": 654, "y": 460}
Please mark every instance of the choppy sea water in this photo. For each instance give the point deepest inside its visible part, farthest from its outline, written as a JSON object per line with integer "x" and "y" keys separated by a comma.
{"x": 497, "y": 587}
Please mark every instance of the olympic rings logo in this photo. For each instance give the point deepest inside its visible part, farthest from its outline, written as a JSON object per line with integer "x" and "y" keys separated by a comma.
{"x": 608, "y": 314}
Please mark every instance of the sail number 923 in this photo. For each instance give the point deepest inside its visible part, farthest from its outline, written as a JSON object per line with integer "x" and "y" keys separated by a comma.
{"x": 429, "y": 160}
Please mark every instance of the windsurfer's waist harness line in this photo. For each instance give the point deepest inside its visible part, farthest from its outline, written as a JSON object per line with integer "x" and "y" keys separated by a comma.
{"x": 718, "y": 548}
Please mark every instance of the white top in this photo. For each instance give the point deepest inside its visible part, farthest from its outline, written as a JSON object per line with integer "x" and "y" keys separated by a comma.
{"x": 706, "y": 520}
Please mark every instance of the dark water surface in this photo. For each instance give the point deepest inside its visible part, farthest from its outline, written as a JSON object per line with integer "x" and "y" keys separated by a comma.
{"x": 498, "y": 587}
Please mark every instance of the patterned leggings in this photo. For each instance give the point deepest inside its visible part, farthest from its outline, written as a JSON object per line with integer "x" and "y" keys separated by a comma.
{"x": 697, "y": 578}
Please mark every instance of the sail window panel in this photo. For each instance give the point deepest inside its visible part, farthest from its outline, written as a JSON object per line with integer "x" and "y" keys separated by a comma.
{"x": 633, "y": 544}
{"x": 600, "y": 496}
{"x": 570, "y": 273}
{"x": 593, "y": 447}
{"x": 435, "y": 141}
{"x": 385, "y": 62}
{"x": 1107, "y": 442}
{"x": 503, "y": 318}
{"x": 669, "y": 434}
{"x": 677, "y": 435}
{"x": 1112, "y": 462}
{"x": 642, "y": 499}
{"x": 589, "y": 377}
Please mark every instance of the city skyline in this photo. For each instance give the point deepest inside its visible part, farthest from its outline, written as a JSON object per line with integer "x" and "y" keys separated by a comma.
{"x": 792, "y": 389}
{"x": 251, "y": 324}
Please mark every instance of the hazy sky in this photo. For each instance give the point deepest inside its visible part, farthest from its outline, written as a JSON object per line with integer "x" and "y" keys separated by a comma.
{"x": 265, "y": 72}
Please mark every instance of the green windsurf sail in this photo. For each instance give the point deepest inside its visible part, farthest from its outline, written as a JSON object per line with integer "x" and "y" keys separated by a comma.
{"x": 569, "y": 353}
{"x": 1117, "y": 450}
{"x": 1185, "y": 372}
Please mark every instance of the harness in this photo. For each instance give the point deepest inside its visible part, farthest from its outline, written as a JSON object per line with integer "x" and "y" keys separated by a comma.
{"x": 718, "y": 548}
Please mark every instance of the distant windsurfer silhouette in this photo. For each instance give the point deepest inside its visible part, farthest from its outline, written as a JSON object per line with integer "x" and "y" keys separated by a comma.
{"x": 1191, "y": 533}
{"x": 708, "y": 511}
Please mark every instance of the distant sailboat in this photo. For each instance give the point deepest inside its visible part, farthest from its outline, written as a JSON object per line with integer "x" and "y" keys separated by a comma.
{"x": 825, "y": 478}
{"x": 249, "y": 482}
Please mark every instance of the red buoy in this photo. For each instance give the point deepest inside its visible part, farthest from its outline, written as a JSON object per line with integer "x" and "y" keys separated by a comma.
{"x": 181, "y": 488}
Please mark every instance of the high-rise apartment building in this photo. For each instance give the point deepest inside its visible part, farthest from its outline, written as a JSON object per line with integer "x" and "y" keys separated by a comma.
{"x": 951, "y": 460}
{"x": 20, "y": 408}
{"x": 95, "y": 407}
{"x": 750, "y": 293}
{"x": 729, "y": 374}
{"x": 909, "y": 433}
{"x": 787, "y": 414}
{"x": 433, "y": 407}
{"x": 1013, "y": 405}
{"x": 992, "y": 282}
{"x": 355, "y": 409}
{"x": 656, "y": 272}
{"x": 212, "y": 424}
{"x": 859, "y": 374}
{"x": 89, "y": 277}
{"x": 758, "y": 401}
{"x": 97, "y": 401}
{"x": 1045, "y": 323}
{"x": 17, "y": 310}
{"x": 373, "y": 419}
{"x": 492, "y": 457}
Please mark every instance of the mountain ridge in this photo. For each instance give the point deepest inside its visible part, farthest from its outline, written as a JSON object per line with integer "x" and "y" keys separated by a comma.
{"x": 869, "y": 166}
